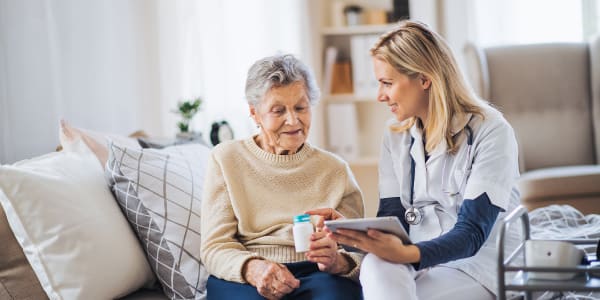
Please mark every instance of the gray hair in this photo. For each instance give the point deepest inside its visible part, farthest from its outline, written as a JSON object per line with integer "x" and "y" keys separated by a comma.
{"x": 277, "y": 71}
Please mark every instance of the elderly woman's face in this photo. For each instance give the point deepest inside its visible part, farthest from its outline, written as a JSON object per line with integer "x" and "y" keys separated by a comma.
{"x": 284, "y": 116}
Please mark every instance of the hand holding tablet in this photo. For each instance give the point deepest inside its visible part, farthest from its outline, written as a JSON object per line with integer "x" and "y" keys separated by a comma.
{"x": 385, "y": 224}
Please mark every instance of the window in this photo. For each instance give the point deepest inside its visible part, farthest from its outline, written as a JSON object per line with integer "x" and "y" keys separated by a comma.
{"x": 591, "y": 14}
{"x": 531, "y": 21}
{"x": 534, "y": 21}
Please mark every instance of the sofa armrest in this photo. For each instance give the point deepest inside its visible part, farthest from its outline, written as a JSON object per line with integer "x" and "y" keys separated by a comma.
{"x": 17, "y": 279}
{"x": 578, "y": 186}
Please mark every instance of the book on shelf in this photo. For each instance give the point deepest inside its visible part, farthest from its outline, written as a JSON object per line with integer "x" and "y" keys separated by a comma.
{"x": 330, "y": 58}
{"x": 337, "y": 77}
{"x": 365, "y": 83}
{"x": 342, "y": 125}
{"x": 341, "y": 78}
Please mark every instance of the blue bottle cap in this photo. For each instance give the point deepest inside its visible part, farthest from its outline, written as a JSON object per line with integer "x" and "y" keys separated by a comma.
{"x": 302, "y": 218}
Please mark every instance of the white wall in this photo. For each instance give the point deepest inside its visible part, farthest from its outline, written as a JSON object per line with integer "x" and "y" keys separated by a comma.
{"x": 454, "y": 20}
{"x": 236, "y": 34}
{"x": 425, "y": 11}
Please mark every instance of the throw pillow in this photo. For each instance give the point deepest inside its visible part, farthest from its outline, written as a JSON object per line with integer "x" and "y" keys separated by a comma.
{"x": 95, "y": 141}
{"x": 71, "y": 231}
{"x": 159, "y": 192}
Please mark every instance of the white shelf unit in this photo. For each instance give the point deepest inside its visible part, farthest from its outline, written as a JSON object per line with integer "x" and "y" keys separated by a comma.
{"x": 370, "y": 115}
{"x": 357, "y": 29}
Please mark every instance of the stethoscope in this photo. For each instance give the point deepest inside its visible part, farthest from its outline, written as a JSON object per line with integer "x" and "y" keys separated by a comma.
{"x": 414, "y": 215}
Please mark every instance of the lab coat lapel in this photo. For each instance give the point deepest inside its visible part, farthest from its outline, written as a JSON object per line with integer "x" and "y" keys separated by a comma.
{"x": 418, "y": 155}
{"x": 438, "y": 151}
{"x": 456, "y": 126}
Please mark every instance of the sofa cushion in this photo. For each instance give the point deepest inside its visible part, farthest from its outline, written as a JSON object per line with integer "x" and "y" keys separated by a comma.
{"x": 539, "y": 100}
{"x": 17, "y": 279}
{"x": 70, "y": 227}
{"x": 159, "y": 192}
{"x": 145, "y": 294}
{"x": 577, "y": 185}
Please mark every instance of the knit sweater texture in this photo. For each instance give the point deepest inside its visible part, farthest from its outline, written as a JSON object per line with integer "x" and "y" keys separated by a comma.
{"x": 250, "y": 197}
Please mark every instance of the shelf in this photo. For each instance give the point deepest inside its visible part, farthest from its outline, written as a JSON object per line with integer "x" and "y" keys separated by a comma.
{"x": 347, "y": 98}
{"x": 358, "y": 29}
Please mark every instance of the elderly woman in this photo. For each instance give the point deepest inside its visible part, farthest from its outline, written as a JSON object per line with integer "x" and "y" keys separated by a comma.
{"x": 254, "y": 187}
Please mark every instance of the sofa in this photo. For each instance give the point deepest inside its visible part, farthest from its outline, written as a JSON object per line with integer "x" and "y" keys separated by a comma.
{"x": 550, "y": 94}
{"x": 102, "y": 219}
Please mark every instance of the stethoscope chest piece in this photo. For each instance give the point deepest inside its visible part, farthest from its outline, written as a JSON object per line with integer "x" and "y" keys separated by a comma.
{"x": 413, "y": 215}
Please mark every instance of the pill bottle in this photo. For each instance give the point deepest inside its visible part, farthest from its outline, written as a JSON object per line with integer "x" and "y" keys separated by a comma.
{"x": 303, "y": 228}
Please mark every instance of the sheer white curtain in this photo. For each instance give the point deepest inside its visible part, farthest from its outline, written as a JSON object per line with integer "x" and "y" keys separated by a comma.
{"x": 180, "y": 44}
{"x": 122, "y": 65}
{"x": 506, "y": 22}
{"x": 91, "y": 62}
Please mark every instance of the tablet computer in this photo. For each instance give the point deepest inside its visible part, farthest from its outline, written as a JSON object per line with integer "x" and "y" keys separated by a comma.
{"x": 386, "y": 224}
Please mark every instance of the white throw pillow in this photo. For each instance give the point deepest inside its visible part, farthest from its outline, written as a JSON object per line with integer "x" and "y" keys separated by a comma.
{"x": 160, "y": 192}
{"x": 97, "y": 142}
{"x": 70, "y": 227}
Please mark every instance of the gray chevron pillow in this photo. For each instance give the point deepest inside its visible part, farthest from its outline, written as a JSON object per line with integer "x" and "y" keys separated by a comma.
{"x": 159, "y": 192}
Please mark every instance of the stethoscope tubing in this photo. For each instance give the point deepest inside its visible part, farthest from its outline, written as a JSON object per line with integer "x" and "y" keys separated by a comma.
{"x": 413, "y": 215}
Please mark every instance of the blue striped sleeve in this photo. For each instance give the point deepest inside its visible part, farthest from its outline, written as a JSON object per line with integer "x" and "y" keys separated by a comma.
{"x": 475, "y": 221}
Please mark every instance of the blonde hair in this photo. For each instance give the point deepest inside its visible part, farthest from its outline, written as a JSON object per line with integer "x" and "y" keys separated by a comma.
{"x": 412, "y": 49}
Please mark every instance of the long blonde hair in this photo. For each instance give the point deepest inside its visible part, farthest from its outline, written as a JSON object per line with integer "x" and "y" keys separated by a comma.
{"x": 412, "y": 49}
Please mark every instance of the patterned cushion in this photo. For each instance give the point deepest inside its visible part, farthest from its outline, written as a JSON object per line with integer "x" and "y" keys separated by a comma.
{"x": 159, "y": 192}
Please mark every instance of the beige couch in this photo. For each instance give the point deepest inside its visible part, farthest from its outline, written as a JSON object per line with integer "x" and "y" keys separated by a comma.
{"x": 550, "y": 93}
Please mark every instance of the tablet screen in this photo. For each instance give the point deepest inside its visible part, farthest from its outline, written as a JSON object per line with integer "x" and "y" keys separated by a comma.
{"x": 386, "y": 224}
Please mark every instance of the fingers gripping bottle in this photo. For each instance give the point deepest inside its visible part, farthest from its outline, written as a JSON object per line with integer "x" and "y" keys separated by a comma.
{"x": 303, "y": 228}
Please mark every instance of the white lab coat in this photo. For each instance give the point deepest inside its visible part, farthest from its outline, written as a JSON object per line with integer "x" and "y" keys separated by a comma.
{"x": 492, "y": 169}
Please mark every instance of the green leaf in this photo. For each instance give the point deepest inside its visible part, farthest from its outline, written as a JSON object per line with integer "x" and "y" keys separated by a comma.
{"x": 187, "y": 109}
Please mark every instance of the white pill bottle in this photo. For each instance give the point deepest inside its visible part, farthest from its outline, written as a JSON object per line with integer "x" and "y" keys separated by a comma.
{"x": 303, "y": 228}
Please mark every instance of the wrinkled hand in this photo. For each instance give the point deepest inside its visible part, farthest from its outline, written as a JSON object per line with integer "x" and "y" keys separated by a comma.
{"x": 272, "y": 280}
{"x": 324, "y": 214}
{"x": 384, "y": 245}
{"x": 323, "y": 251}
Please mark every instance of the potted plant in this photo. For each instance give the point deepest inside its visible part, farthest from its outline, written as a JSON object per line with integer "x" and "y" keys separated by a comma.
{"x": 187, "y": 109}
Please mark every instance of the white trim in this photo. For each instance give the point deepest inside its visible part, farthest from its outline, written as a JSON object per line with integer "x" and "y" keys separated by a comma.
{"x": 590, "y": 11}
{"x": 4, "y": 116}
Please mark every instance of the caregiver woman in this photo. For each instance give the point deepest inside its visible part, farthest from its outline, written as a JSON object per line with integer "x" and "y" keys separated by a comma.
{"x": 447, "y": 170}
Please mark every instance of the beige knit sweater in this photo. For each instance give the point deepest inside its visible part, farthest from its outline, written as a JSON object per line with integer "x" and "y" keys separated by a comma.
{"x": 251, "y": 196}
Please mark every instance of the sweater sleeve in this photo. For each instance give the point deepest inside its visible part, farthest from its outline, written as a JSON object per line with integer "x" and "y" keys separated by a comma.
{"x": 352, "y": 206}
{"x": 222, "y": 254}
{"x": 475, "y": 221}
